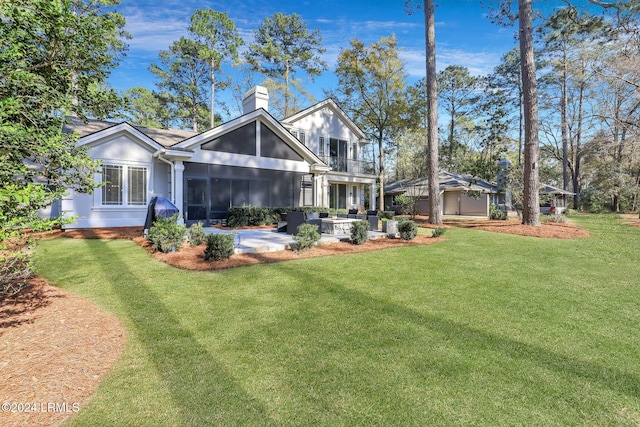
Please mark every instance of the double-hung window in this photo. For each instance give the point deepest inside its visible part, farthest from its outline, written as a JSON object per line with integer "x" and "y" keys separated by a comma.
{"x": 124, "y": 185}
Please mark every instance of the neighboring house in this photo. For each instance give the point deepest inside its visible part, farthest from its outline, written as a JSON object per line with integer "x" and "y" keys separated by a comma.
{"x": 460, "y": 194}
{"x": 314, "y": 158}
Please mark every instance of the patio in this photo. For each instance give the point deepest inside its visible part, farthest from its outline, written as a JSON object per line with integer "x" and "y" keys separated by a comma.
{"x": 269, "y": 240}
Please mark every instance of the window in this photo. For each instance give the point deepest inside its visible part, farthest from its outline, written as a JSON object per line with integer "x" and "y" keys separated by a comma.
{"x": 137, "y": 186}
{"x": 321, "y": 146}
{"x": 354, "y": 195}
{"x": 120, "y": 181}
{"x": 301, "y": 136}
{"x": 112, "y": 190}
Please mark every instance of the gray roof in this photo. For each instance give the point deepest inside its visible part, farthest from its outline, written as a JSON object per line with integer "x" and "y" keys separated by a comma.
{"x": 449, "y": 181}
{"x": 164, "y": 137}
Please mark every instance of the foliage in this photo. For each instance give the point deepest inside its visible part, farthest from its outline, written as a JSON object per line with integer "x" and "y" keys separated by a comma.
{"x": 146, "y": 108}
{"x": 196, "y": 234}
{"x": 219, "y": 39}
{"x": 558, "y": 219}
{"x": 438, "y": 231}
{"x": 166, "y": 234}
{"x": 219, "y": 247}
{"x": 307, "y": 237}
{"x": 15, "y": 272}
{"x": 242, "y": 216}
{"x": 183, "y": 78}
{"x": 387, "y": 214}
{"x": 496, "y": 213}
{"x": 372, "y": 89}
{"x": 282, "y": 47}
{"x": 359, "y": 232}
{"x": 407, "y": 229}
{"x": 406, "y": 204}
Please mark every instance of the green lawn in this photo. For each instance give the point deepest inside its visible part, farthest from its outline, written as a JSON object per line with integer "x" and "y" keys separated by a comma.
{"x": 484, "y": 329}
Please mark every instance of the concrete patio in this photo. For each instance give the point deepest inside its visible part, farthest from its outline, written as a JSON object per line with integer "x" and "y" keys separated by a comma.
{"x": 269, "y": 240}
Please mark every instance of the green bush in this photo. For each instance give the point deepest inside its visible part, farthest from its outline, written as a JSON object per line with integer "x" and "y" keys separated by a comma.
{"x": 496, "y": 213}
{"x": 438, "y": 231}
{"x": 307, "y": 237}
{"x": 166, "y": 234}
{"x": 558, "y": 218}
{"x": 387, "y": 214}
{"x": 196, "y": 234}
{"x": 407, "y": 229}
{"x": 359, "y": 232}
{"x": 219, "y": 247}
{"x": 242, "y": 216}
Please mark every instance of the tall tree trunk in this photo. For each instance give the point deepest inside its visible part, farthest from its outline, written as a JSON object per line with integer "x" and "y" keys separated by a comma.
{"x": 435, "y": 216}
{"x": 286, "y": 90}
{"x": 213, "y": 91}
{"x": 531, "y": 196}
{"x": 578, "y": 146}
{"x": 381, "y": 176}
{"x": 565, "y": 124}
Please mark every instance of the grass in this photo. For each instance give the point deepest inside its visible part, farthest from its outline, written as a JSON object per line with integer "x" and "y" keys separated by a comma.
{"x": 484, "y": 329}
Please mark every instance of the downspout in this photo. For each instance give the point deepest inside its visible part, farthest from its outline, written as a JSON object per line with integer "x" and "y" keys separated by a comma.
{"x": 158, "y": 155}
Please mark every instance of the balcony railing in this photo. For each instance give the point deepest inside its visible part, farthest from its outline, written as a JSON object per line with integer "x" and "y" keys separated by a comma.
{"x": 349, "y": 166}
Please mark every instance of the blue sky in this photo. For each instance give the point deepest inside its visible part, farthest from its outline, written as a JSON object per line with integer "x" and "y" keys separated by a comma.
{"x": 464, "y": 35}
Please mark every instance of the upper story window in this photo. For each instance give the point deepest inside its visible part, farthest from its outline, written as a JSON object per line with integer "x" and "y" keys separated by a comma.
{"x": 124, "y": 185}
{"x": 302, "y": 137}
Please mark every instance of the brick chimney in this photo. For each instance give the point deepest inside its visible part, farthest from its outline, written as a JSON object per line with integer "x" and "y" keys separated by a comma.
{"x": 257, "y": 97}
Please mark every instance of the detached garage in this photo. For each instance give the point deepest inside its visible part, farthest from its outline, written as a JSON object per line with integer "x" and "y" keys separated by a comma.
{"x": 460, "y": 194}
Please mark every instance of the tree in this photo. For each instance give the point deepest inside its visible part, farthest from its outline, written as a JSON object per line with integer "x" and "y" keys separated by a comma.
{"x": 48, "y": 56}
{"x": 146, "y": 108}
{"x": 371, "y": 84}
{"x": 219, "y": 40}
{"x": 507, "y": 77}
{"x": 184, "y": 75}
{"x": 283, "y": 46}
{"x": 531, "y": 196}
{"x": 458, "y": 94}
{"x": 435, "y": 215}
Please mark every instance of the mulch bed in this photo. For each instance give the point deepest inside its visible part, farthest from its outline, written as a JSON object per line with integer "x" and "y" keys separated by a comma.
{"x": 56, "y": 347}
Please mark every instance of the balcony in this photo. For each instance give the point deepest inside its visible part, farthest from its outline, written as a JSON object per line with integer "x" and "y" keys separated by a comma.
{"x": 349, "y": 166}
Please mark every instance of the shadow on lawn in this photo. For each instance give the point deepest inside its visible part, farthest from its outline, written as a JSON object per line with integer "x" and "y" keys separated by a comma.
{"x": 381, "y": 314}
{"x": 200, "y": 386}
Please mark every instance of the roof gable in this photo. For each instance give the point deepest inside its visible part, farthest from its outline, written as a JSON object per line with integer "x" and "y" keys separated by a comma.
{"x": 330, "y": 104}
{"x": 267, "y": 120}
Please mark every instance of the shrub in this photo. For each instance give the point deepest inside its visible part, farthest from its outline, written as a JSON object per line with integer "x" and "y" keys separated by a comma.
{"x": 438, "y": 231}
{"x": 219, "y": 247}
{"x": 359, "y": 232}
{"x": 15, "y": 272}
{"x": 196, "y": 234}
{"x": 242, "y": 216}
{"x": 407, "y": 229}
{"x": 307, "y": 237}
{"x": 166, "y": 234}
{"x": 496, "y": 213}
{"x": 387, "y": 214}
{"x": 558, "y": 218}
{"x": 406, "y": 204}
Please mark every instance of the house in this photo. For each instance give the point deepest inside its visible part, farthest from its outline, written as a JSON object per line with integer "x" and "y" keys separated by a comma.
{"x": 460, "y": 194}
{"x": 313, "y": 158}
{"x": 463, "y": 194}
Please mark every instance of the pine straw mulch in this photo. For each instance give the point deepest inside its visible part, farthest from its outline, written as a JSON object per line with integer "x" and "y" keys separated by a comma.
{"x": 634, "y": 222}
{"x": 56, "y": 347}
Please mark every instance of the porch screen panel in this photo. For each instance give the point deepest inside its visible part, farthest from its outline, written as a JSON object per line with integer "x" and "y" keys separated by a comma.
{"x": 137, "y": 185}
{"x": 259, "y": 193}
{"x": 220, "y": 194}
{"x": 112, "y": 190}
{"x": 240, "y": 192}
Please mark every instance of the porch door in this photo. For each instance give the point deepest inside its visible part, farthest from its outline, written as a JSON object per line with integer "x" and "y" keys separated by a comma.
{"x": 338, "y": 196}
{"x": 338, "y": 153}
{"x": 196, "y": 201}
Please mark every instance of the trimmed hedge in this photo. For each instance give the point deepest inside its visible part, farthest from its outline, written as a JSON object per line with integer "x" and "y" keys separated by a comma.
{"x": 359, "y": 232}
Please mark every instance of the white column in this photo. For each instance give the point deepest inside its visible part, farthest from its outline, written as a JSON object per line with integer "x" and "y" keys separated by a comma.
{"x": 372, "y": 197}
{"x": 178, "y": 188}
